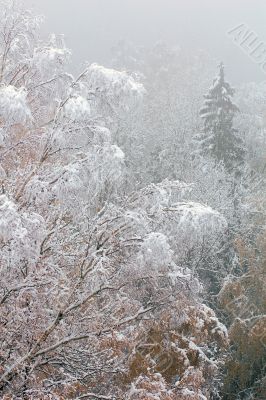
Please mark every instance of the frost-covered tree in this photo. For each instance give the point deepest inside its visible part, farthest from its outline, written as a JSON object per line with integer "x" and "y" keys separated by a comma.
{"x": 86, "y": 266}
{"x": 158, "y": 138}
{"x": 243, "y": 300}
{"x": 220, "y": 140}
{"x": 251, "y": 121}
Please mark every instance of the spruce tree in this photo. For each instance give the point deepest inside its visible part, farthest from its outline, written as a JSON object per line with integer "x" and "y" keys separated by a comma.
{"x": 219, "y": 139}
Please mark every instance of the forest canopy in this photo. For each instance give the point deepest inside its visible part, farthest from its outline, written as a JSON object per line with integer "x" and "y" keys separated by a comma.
{"x": 132, "y": 223}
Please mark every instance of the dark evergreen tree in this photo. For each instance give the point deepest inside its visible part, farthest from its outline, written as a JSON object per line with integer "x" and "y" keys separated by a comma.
{"x": 219, "y": 139}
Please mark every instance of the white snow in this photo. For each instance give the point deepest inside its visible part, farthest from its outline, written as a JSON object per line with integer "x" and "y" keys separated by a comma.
{"x": 14, "y": 106}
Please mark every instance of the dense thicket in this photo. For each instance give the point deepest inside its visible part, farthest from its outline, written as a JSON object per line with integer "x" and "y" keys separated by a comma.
{"x": 124, "y": 249}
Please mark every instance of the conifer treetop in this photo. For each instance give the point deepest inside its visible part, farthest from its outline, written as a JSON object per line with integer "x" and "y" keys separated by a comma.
{"x": 219, "y": 139}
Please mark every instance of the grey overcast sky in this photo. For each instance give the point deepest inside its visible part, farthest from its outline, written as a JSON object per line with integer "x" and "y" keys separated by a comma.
{"x": 92, "y": 27}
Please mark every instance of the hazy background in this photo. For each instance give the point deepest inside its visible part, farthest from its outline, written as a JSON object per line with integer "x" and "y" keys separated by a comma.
{"x": 92, "y": 27}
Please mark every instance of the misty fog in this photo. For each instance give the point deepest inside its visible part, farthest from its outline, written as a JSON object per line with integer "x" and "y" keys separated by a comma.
{"x": 93, "y": 27}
